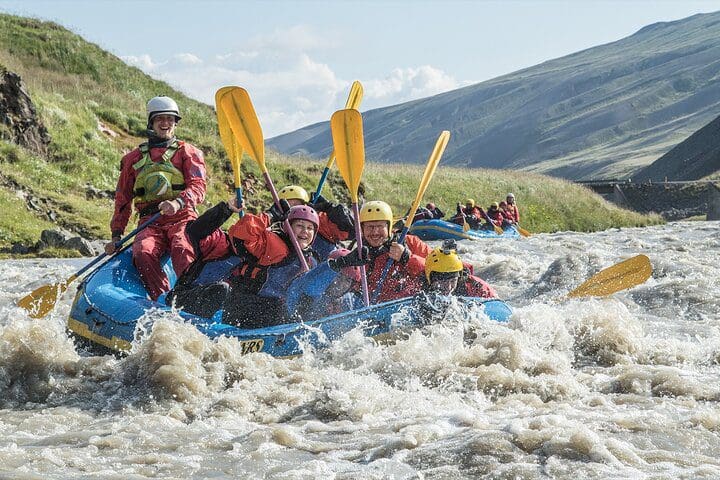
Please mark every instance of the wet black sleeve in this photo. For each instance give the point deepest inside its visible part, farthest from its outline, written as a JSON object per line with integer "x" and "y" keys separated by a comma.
{"x": 208, "y": 222}
{"x": 340, "y": 215}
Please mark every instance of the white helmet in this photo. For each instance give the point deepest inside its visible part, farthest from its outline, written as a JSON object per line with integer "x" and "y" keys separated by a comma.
{"x": 162, "y": 105}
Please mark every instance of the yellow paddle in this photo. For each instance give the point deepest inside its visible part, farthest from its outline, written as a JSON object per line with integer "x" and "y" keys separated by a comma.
{"x": 626, "y": 274}
{"x": 42, "y": 300}
{"x": 432, "y": 164}
{"x": 240, "y": 113}
{"x": 522, "y": 231}
{"x": 353, "y": 102}
{"x": 349, "y": 146}
{"x": 232, "y": 148}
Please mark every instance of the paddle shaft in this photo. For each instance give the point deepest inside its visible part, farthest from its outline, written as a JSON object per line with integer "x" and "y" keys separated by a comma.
{"x": 117, "y": 245}
{"x": 286, "y": 222}
{"x": 359, "y": 244}
{"x": 432, "y": 163}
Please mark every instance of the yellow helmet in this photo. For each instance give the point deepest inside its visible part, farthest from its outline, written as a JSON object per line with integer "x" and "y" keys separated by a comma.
{"x": 294, "y": 192}
{"x": 376, "y": 210}
{"x": 444, "y": 261}
{"x": 494, "y": 205}
{"x": 470, "y": 202}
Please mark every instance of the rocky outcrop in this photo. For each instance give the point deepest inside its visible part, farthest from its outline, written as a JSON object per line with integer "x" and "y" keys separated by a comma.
{"x": 714, "y": 203}
{"x": 19, "y": 122}
{"x": 673, "y": 201}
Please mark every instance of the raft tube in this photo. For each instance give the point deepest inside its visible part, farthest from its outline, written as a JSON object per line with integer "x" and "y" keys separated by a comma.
{"x": 442, "y": 230}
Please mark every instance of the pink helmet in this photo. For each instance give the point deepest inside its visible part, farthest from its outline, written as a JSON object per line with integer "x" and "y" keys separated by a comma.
{"x": 430, "y": 206}
{"x": 304, "y": 212}
{"x": 351, "y": 272}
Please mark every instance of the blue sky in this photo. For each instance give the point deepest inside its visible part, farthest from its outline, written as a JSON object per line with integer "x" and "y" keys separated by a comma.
{"x": 298, "y": 59}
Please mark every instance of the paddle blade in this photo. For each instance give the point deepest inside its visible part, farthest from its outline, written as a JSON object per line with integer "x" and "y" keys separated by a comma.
{"x": 466, "y": 226}
{"x": 347, "y": 133}
{"x": 430, "y": 167}
{"x": 522, "y": 231}
{"x": 42, "y": 300}
{"x": 353, "y": 101}
{"x": 626, "y": 274}
{"x": 355, "y": 96}
{"x": 244, "y": 124}
{"x": 232, "y": 147}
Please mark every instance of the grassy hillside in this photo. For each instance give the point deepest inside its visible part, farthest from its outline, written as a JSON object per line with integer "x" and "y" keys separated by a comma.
{"x": 75, "y": 85}
{"x": 604, "y": 112}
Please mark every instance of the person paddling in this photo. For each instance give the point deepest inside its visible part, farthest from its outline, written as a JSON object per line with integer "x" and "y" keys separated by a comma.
{"x": 446, "y": 274}
{"x": 336, "y": 222}
{"x": 163, "y": 175}
{"x": 259, "y": 284}
{"x": 405, "y": 276}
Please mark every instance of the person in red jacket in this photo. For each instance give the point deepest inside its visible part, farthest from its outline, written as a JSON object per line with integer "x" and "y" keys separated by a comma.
{"x": 269, "y": 264}
{"x": 512, "y": 208}
{"x": 336, "y": 222}
{"x": 405, "y": 276}
{"x": 470, "y": 213}
{"x": 495, "y": 215}
{"x": 163, "y": 175}
{"x": 445, "y": 274}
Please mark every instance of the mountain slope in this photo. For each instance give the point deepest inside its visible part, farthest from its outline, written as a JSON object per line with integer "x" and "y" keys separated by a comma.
{"x": 602, "y": 112}
{"x": 693, "y": 159}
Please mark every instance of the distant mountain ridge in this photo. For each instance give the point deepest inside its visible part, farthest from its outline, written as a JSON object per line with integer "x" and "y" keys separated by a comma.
{"x": 607, "y": 111}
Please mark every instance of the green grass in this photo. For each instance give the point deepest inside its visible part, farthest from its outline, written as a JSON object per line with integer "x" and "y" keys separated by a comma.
{"x": 75, "y": 85}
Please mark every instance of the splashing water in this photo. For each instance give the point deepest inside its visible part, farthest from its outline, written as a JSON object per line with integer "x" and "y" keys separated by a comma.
{"x": 619, "y": 387}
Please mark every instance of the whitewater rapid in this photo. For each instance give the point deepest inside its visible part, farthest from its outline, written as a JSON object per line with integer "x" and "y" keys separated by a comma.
{"x": 621, "y": 387}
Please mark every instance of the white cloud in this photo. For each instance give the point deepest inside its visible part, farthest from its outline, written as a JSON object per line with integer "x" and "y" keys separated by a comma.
{"x": 288, "y": 87}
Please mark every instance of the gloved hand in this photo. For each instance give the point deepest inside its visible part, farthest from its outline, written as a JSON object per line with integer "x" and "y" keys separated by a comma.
{"x": 279, "y": 214}
{"x": 320, "y": 203}
{"x": 352, "y": 259}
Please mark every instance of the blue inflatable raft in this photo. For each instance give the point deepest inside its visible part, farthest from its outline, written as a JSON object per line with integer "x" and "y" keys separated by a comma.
{"x": 442, "y": 230}
{"x": 112, "y": 301}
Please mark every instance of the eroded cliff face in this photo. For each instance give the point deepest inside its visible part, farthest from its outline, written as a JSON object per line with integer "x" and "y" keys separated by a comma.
{"x": 19, "y": 122}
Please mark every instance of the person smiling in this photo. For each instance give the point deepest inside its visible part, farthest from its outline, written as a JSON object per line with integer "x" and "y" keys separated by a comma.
{"x": 163, "y": 175}
{"x": 259, "y": 284}
{"x": 405, "y": 277}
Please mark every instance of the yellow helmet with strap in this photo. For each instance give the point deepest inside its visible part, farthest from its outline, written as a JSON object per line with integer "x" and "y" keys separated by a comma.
{"x": 294, "y": 192}
{"x": 376, "y": 210}
{"x": 442, "y": 261}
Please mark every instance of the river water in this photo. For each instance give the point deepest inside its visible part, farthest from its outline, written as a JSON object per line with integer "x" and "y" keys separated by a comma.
{"x": 622, "y": 387}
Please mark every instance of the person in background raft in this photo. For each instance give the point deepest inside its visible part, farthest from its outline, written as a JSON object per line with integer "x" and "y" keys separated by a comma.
{"x": 336, "y": 222}
{"x": 495, "y": 215}
{"x": 166, "y": 175}
{"x": 259, "y": 283}
{"x": 405, "y": 276}
{"x": 470, "y": 213}
{"x": 512, "y": 208}
{"x": 435, "y": 211}
{"x": 507, "y": 215}
{"x": 446, "y": 274}
{"x": 329, "y": 288}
